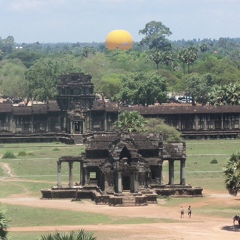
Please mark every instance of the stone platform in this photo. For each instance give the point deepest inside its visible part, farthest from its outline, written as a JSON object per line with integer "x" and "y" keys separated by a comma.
{"x": 122, "y": 199}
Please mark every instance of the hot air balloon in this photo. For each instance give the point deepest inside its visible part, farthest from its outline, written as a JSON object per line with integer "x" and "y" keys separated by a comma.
{"x": 121, "y": 39}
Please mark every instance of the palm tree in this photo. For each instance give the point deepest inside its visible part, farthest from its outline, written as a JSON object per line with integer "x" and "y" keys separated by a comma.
{"x": 74, "y": 235}
{"x": 188, "y": 56}
{"x": 232, "y": 174}
{"x": 225, "y": 95}
{"x": 3, "y": 224}
{"x": 130, "y": 122}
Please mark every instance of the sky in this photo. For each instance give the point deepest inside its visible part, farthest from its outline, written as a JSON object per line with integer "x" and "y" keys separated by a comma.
{"x": 52, "y": 21}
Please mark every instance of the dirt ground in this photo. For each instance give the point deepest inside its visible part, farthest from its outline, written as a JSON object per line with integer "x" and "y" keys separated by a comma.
{"x": 195, "y": 228}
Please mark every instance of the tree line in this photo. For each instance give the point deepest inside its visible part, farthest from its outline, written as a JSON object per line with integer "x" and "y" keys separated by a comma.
{"x": 207, "y": 70}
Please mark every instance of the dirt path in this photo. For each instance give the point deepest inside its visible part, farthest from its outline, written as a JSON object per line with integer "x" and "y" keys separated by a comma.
{"x": 196, "y": 228}
{"x": 6, "y": 169}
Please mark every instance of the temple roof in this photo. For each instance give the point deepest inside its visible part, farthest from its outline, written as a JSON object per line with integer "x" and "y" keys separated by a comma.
{"x": 22, "y": 110}
{"x": 6, "y": 107}
{"x": 182, "y": 109}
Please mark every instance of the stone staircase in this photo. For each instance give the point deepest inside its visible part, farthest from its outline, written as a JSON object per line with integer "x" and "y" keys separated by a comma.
{"x": 78, "y": 139}
{"x": 128, "y": 200}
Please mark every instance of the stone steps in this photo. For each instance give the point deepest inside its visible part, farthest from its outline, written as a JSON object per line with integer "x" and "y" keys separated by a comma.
{"x": 78, "y": 139}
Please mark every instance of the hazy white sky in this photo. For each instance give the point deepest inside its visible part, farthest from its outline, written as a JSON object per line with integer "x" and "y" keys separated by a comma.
{"x": 91, "y": 20}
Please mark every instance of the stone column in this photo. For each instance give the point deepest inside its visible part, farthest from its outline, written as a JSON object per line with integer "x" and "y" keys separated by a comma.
{"x": 86, "y": 177}
{"x": 81, "y": 173}
{"x": 59, "y": 174}
{"x": 135, "y": 182}
{"x": 70, "y": 164}
{"x": 171, "y": 172}
{"x": 71, "y": 127}
{"x": 105, "y": 122}
{"x": 119, "y": 182}
{"x": 222, "y": 126}
{"x": 182, "y": 172}
{"x": 160, "y": 175}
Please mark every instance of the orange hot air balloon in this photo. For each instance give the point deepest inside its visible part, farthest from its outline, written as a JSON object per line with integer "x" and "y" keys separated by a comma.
{"x": 121, "y": 39}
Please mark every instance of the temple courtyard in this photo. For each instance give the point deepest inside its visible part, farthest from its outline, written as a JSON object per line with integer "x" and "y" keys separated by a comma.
{"x": 168, "y": 224}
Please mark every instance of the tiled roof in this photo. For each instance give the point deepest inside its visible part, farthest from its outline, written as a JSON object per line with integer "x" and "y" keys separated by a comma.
{"x": 39, "y": 108}
{"x": 168, "y": 110}
{"x": 22, "y": 110}
{"x": 53, "y": 106}
{"x": 6, "y": 107}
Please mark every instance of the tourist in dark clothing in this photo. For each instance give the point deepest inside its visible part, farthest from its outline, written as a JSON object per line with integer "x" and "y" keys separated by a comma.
{"x": 189, "y": 211}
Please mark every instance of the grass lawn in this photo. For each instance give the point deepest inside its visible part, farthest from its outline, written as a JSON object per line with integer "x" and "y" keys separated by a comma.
{"x": 35, "y": 168}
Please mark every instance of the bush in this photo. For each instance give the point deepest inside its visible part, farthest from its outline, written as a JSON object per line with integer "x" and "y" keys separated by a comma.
{"x": 74, "y": 235}
{"x": 170, "y": 134}
{"x": 56, "y": 149}
{"x": 22, "y": 153}
{"x": 214, "y": 161}
{"x": 9, "y": 154}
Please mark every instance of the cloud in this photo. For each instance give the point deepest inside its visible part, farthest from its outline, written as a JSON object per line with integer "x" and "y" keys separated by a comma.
{"x": 32, "y": 5}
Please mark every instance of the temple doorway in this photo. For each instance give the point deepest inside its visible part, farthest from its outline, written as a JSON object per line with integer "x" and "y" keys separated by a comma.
{"x": 78, "y": 127}
{"x": 126, "y": 183}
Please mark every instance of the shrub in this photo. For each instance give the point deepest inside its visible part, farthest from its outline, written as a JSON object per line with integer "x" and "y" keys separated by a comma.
{"x": 56, "y": 149}
{"x": 170, "y": 134}
{"x": 22, "y": 153}
{"x": 9, "y": 154}
{"x": 214, "y": 161}
{"x": 74, "y": 235}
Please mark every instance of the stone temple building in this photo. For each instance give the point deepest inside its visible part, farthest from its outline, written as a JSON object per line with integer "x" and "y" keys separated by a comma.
{"x": 77, "y": 113}
{"x": 124, "y": 169}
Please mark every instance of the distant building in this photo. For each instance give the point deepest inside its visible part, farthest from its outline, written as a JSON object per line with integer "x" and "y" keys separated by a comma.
{"x": 77, "y": 113}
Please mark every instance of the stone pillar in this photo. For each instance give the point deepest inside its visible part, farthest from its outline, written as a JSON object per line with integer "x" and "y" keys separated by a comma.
{"x": 86, "y": 177}
{"x": 81, "y": 174}
{"x": 196, "y": 120}
{"x": 119, "y": 182}
{"x": 160, "y": 175}
{"x": 70, "y": 164}
{"x": 171, "y": 172}
{"x": 105, "y": 122}
{"x": 59, "y": 174}
{"x": 222, "y": 127}
{"x": 71, "y": 127}
{"x": 135, "y": 187}
{"x": 205, "y": 122}
{"x": 182, "y": 172}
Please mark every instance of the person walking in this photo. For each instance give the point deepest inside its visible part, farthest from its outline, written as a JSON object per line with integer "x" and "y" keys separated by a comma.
{"x": 189, "y": 211}
{"x": 182, "y": 212}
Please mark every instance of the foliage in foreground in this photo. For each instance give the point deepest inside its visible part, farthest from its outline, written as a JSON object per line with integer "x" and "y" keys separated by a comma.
{"x": 73, "y": 235}
{"x": 129, "y": 122}
{"x": 8, "y": 154}
{"x": 3, "y": 224}
{"x": 156, "y": 126}
{"x": 232, "y": 174}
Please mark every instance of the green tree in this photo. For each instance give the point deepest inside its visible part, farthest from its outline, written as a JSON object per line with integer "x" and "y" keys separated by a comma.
{"x": 111, "y": 85}
{"x": 74, "y": 235}
{"x": 4, "y": 221}
{"x": 225, "y": 95}
{"x": 12, "y": 78}
{"x": 188, "y": 56}
{"x": 143, "y": 88}
{"x": 232, "y": 174}
{"x": 203, "y": 47}
{"x": 26, "y": 56}
{"x": 155, "y": 36}
{"x": 199, "y": 87}
{"x": 129, "y": 122}
{"x": 86, "y": 51}
{"x": 170, "y": 134}
{"x": 8, "y": 45}
{"x": 43, "y": 77}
